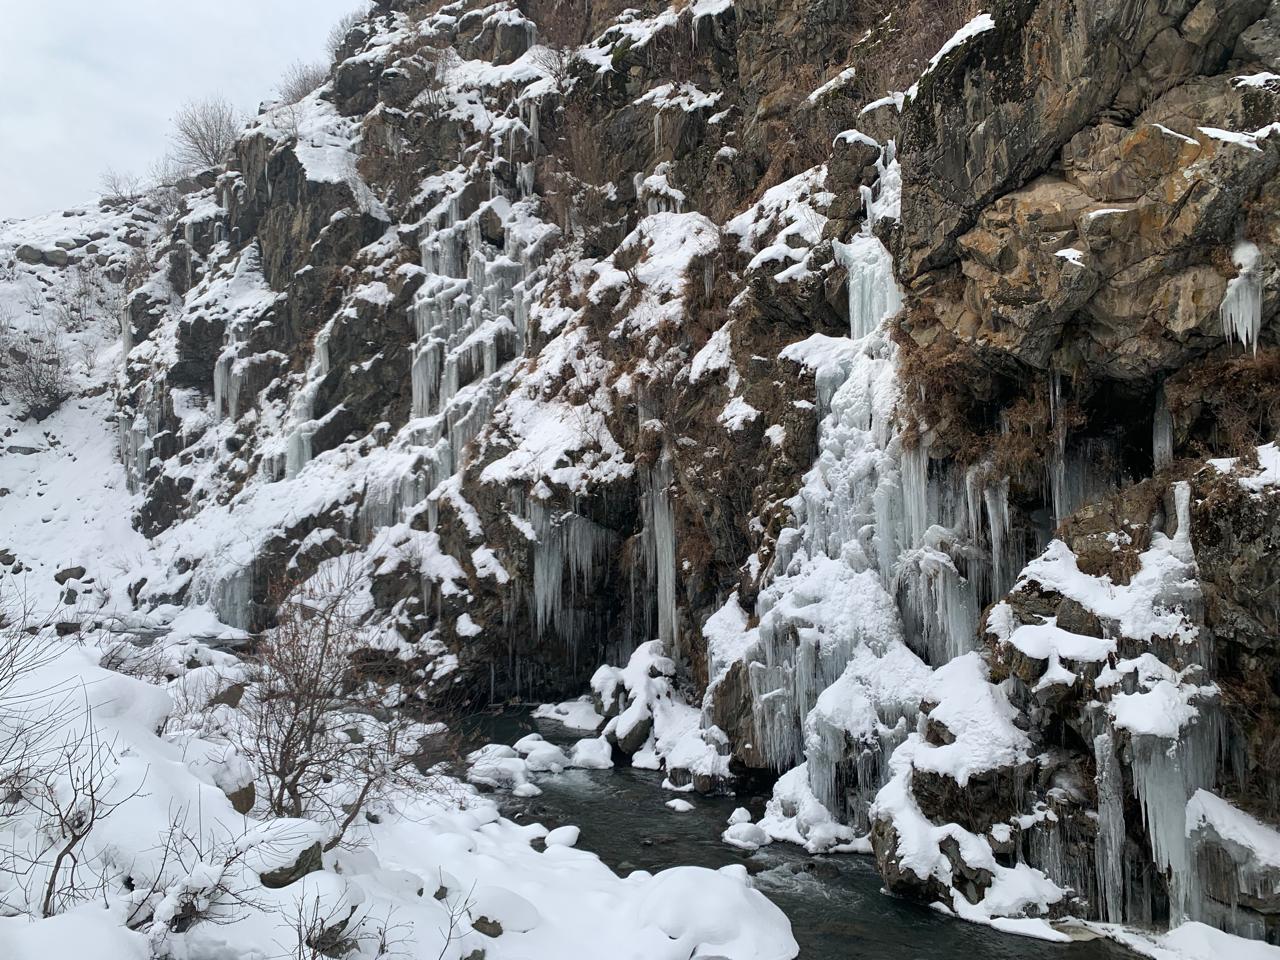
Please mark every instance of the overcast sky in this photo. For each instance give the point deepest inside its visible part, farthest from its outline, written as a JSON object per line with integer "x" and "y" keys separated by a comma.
{"x": 91, "y": 84}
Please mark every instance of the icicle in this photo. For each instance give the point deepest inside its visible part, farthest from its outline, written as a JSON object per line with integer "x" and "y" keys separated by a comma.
{"x": 1109, "y": 842}
{"x": 995, "y": 497}
{"x": 1161, "y": 432}
{"x": 1165, "y": 775}
{"x": 1241, "y": 309}
{"x": 232, "y": 598}
{"x": 660, "y": 533}
{"x": 1057, "y": 465}
{"x": 873, "y": 294}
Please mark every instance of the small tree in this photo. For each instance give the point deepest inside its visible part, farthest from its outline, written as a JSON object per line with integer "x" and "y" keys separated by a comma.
{"x": 300, "y": 79}
{"x": 119, "y": 187}
{"x": 324, "y": 735}
{"x": 56, "y": 774}
{"x": 204, "y": 131}
{"x": 338, "y": 32}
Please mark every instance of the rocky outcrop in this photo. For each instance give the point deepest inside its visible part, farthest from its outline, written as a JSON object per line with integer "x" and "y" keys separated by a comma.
{"x": 570, "y": 334}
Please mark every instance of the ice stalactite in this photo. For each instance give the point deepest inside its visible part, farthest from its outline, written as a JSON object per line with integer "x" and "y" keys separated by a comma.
{"x": 659, "y": 546}
{"x": 1161, "y": 432}
{"x": 1079, "y": 469}
{"x": 1237, "y": 857}
{"x": 1165, "y": 776}
{"x": 1109, "y": 842}
{"x": 1241, "y": 308}
{"x": 135, "y": 438}
{"x": 569, "y": 550}
{"x": 232, "y": 598}
{"x": 995, "y": 499}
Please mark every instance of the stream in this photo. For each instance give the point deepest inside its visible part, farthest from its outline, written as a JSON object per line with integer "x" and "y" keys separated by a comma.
{"x": 834, "y": 902}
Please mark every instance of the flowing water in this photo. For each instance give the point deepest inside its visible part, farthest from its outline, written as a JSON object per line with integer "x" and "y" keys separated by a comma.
{"x": 834, "y": 902}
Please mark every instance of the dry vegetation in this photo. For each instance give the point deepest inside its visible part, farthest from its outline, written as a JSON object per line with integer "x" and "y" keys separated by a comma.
{"x": 1219, "y": 418}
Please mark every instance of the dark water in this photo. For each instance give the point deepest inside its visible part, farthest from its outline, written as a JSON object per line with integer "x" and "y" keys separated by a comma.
{"x": 834, "y": 902}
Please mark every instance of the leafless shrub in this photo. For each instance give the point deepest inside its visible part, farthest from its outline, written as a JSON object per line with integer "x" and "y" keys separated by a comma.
{"x": 459, "y": 910}
{"x": 34, "y": 368}
{"x": 119, "y": 187}
{"x": 77, "y": 303}
{"x": 338, "y": 32}
{"x": 320, "y": 933}
{"x": 558, "y": 64}
{"x": 300, "y": 79}
{"x": 197, "y": 880}
{"x": 204, "y": 131}
{"x": 324, "y": 734}
{"x": 55, "y": 772}
{"x": 900, "y": 40}
{"x": 138, "y": 270}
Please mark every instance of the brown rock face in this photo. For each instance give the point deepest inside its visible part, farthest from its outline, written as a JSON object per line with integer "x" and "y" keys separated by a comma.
{"x": 990, "y": 118}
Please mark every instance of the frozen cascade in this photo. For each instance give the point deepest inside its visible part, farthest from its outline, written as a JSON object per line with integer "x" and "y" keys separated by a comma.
{"x": 836, "y": 682}
{"x": 134, "y": 437}
{"x": 471, "y": 319}
{"x": 227, "y": 378}
{"x": 1109, "y": 843}
{"x": 870, "y": 300}
{"x": 1241, "y": 309}
{"x": 567, "y": 543}
{"x": 1168, "y": 772}
{"x": 298, "y": 451}
{"x": 232, "y": 598}
{"x": 1165, "y": 775}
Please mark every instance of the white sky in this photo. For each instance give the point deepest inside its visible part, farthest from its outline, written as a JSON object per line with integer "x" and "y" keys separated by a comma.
{"x": 91, "y": 84}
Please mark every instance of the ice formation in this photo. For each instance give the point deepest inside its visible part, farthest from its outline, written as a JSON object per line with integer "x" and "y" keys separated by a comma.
{"x": 1242, "y": 303}
{"x": 868, "y": 590}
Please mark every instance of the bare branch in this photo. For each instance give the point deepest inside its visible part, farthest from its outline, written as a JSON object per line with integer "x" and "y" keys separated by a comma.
{"x": 204, "y": 131}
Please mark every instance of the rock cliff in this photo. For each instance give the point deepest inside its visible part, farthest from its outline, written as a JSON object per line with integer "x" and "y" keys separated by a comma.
{"x": 908, "y": 371}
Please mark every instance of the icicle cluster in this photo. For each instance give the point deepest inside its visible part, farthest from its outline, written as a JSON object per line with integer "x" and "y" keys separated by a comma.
{"x": 1241, "y": 309}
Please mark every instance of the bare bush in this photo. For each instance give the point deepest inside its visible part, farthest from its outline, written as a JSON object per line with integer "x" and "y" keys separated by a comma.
{"x": 34, "y": 368}
{"x": 199, "y": 879}
{"x": 338, "y": 32}
{"x": 324, "y": 734}
{"x": 321, "y": 931}
{"x": 55, "y": 774}
{"x": 301, "y": 79}
{"x": 120, "y": 187}
{"x": 557, "y": 62}
{"x": 204, "y": 131}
